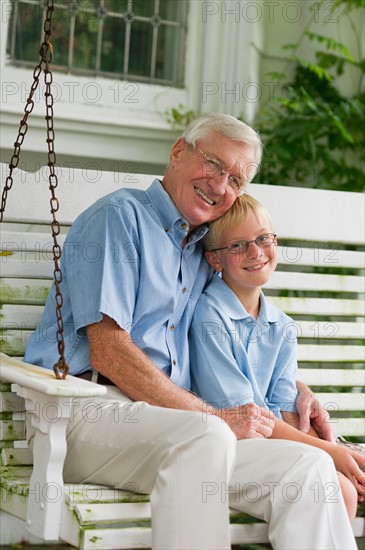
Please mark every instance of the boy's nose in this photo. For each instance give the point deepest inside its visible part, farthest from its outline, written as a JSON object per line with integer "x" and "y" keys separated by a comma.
{"x": 253, "y": 251}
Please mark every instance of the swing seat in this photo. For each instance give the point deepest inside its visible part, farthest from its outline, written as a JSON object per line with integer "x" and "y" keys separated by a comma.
{"x": 319, "y": 239}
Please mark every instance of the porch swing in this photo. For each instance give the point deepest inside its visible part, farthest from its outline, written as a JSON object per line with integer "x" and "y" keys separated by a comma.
{"x": 35, "y": 504}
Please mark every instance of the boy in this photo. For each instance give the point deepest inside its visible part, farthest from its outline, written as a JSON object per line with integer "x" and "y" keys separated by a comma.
{"x": 242, "y": 349}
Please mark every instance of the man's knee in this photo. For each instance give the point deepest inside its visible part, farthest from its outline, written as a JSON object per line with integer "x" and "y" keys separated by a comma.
{"x": 319, "y": 459}
{"x": 217, "y": 437}
{"x": 207, "y": 450}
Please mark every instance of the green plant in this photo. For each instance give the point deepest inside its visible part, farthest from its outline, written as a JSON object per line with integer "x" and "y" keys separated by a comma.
{"x": 180, "y": 116}
{"x": 313, "y": 134}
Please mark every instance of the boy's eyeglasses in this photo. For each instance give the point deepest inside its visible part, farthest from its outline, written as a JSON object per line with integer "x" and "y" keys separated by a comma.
{"x": 241, "y": 246}
{"x": 215, "y": 168}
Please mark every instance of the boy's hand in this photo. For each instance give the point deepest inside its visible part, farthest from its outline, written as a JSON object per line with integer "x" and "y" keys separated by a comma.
{"x": 351, "y": 464}
{"x": 248, "y": 421}
{"x": 312, "y": 413}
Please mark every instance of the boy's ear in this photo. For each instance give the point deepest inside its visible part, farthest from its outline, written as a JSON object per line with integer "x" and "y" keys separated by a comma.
{"x": 213, "y": 260}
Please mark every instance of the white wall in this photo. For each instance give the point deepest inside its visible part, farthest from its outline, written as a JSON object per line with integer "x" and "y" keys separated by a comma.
{"x": 96, "y": 119}
{"x": 119, "y": 125}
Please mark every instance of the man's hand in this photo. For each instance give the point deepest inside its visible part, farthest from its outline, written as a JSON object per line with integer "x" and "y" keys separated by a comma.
{"x": 248, "y": 421}
{"x": 311, "y": 413}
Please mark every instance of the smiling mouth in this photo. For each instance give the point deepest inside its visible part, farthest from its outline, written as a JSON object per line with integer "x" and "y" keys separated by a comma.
{"x": 255, "y": 267}
{"x": 204, "y": 196}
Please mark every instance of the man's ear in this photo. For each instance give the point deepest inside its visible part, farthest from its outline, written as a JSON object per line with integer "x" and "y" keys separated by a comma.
{"x": 213, "y": 260}
{"x": 177, "y": 149}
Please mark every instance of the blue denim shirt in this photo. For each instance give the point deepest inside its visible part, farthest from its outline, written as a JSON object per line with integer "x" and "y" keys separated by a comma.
{"x": 236, "y": 359}
{"x": 123, "y": 258}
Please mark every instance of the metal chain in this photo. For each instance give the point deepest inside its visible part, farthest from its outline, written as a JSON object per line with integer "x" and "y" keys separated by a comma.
{"x": 45, "y": 53}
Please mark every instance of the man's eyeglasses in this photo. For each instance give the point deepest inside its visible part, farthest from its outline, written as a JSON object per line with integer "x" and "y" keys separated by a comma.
{"x": 241, "y": 246}
{"x": 215, "y": 168}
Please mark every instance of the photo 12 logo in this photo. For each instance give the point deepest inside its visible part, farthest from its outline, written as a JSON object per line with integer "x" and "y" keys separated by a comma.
{"x": 269, "y": 11}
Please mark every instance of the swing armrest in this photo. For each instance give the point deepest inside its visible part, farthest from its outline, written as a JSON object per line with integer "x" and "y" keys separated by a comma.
{"x": 44, "y": 381}
{"x": 49, "y": 408}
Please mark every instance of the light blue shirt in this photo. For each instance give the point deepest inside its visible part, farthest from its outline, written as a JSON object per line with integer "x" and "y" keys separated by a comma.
{"x": 236, "y": 359}
{"x": 123, "y": 258}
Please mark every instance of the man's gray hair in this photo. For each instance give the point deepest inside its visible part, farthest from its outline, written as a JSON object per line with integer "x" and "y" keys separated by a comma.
{"x": 227, "y": 126}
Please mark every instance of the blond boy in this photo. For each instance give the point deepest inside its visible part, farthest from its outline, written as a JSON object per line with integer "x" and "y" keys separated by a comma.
{"x": 242, "y": 348}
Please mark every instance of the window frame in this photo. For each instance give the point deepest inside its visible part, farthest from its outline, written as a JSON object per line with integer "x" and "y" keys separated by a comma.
{"x": 70, "y": 69}
{"x": 99, "y": 118}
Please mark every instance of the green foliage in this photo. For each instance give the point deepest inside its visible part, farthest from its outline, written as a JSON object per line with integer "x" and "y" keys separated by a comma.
{"x": 180, "y": 116}
{"x": 313, "y": 134}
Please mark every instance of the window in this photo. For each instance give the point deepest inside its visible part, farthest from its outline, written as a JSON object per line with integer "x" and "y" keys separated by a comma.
{"x": 138, "y": 40}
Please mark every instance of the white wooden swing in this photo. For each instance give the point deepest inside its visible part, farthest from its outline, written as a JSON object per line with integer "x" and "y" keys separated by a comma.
{"x": 331, "y": 353}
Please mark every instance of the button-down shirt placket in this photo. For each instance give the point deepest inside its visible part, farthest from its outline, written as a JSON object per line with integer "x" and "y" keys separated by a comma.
{"x": 190, "y": 260}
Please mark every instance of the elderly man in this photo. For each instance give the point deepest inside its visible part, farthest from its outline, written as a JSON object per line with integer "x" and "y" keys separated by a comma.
{"x": 128, "y": 314}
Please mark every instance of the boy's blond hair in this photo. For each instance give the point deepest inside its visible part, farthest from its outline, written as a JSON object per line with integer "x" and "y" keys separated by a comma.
{"x": 239, "y": 211}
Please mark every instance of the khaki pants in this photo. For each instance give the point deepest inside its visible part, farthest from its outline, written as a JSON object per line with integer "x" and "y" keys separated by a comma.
{"x": 194, "y": 469}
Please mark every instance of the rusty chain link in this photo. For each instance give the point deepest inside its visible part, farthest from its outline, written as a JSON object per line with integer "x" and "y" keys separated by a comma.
{"x": 46, "y": 54}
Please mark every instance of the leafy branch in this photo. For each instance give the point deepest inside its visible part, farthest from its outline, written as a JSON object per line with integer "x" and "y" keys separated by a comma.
{"x": 314, "y": 134}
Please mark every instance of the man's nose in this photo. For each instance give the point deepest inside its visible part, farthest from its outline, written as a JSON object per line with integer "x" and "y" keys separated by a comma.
{"x": 219, "y": 183}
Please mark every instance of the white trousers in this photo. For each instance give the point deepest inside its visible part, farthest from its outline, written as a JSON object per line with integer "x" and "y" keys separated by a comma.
{"x": 194, "y": 469}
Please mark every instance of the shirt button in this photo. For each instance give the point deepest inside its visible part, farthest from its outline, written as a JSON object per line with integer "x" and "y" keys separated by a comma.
{"x": 174, "y": 362}
{"x": 166, "y": 228}
{"x": 172, "y": 327}
{"x": 184, "y": 290}
{"x": 184, "y": 226}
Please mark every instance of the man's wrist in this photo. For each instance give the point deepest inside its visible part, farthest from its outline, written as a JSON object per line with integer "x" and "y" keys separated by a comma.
{"x": 303, "y": 388}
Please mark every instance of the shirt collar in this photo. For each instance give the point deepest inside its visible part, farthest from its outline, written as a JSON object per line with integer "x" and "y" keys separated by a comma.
{"x": 231, "y": 305}
{"x": 163, "y": 205}
{"x": 170, "y": 217}
{"x": 268, "y": 312}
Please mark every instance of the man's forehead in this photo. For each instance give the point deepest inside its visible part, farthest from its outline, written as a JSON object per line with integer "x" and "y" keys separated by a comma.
{"x": 229, "y": 158}
{"x": 225, "y": 147}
